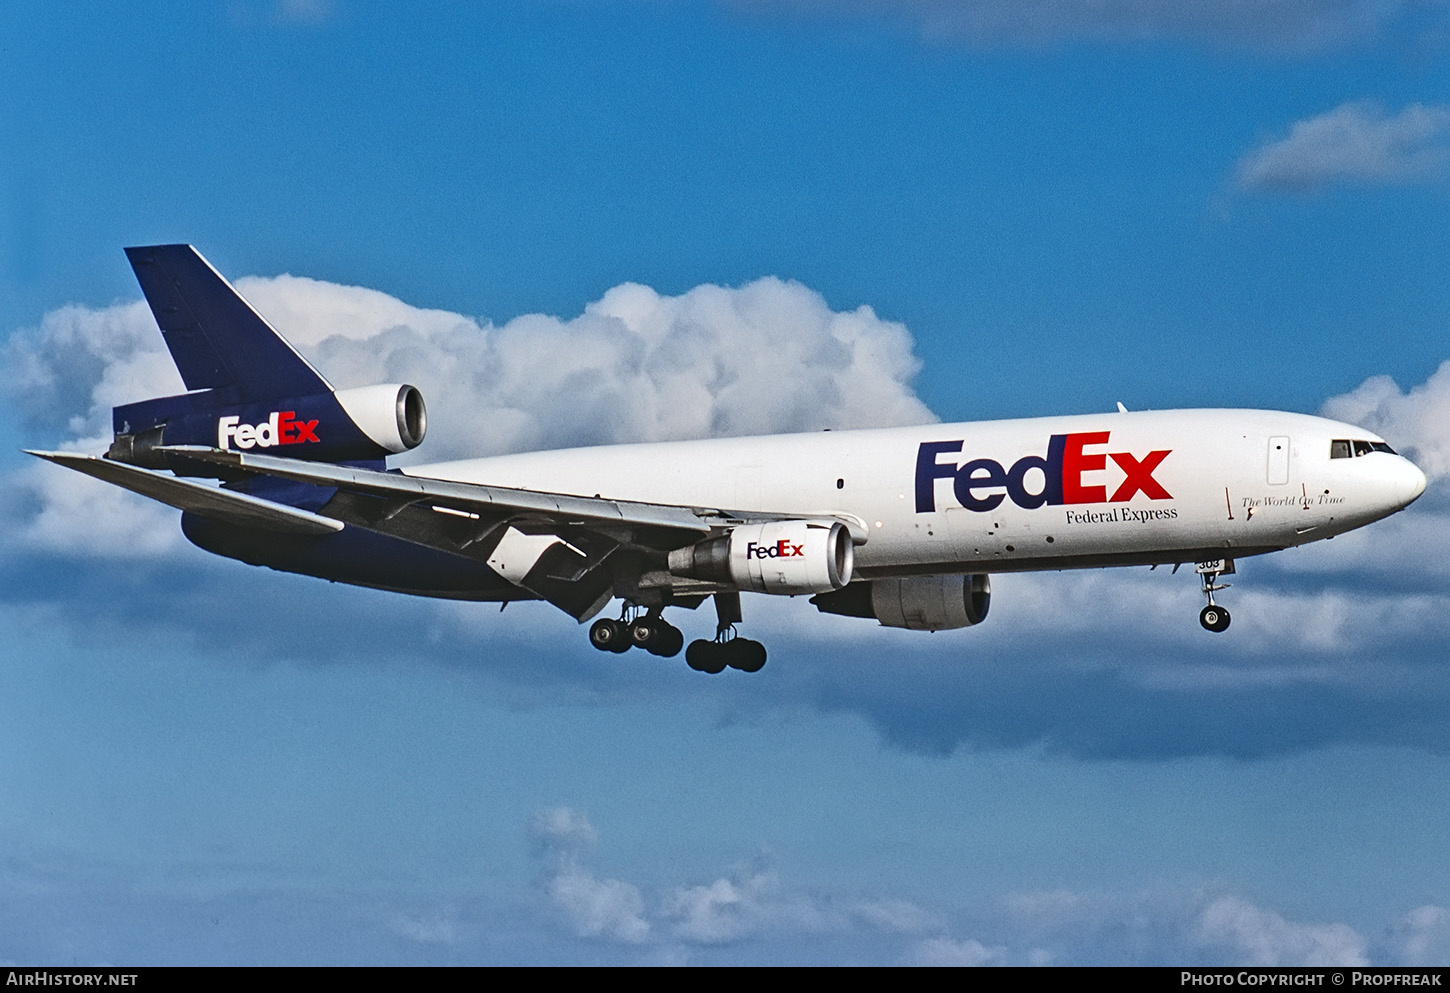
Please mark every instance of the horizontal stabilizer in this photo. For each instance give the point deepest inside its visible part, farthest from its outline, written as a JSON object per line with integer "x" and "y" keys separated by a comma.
{"x": 198, "y": 498}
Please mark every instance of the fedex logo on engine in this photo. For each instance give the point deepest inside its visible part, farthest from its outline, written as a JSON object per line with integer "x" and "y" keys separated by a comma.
{"x": 281, "y": 428}
{"x": 782, "y": 549}
{"x": 1068, "y": 475}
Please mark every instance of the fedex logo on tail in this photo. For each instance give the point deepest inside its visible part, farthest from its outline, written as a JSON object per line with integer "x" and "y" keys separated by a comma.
{"x": 281, "y": 428}
{"x": 1067, "y": 475}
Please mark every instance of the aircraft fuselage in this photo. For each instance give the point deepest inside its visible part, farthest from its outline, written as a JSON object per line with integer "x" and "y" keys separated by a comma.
{"x": 1000, "y": 496}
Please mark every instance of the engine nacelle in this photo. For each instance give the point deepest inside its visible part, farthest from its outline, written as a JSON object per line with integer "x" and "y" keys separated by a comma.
{"x": 920, "y": 603}
{"x": 786, "y": 557}
{"x": 369, "y": 422}
{"x": 392, "y": 415}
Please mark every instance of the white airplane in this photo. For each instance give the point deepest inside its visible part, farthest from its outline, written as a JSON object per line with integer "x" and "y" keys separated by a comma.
{"x": 903, "y": 525}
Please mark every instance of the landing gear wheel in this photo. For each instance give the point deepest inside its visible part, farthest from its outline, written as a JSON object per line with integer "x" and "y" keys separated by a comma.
{"x": 705, "y": 656}
{"x": 656, "y": 636}
{"x": 610, "y": 636}
{"x": 669, "y": 642}
{"x": 1214, "y": 618}
{"x": 745, "y": 654}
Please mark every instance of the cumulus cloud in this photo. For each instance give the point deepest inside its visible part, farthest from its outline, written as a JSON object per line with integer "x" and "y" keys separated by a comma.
{"x": 745, "y": 903}
{"x": 748, "y": 903}
{"x": 752, "y": 906}
{"x": 1421, "y": 937}
{"x": 1415, "y": 421}
{"x": 595, "y": 908}
{"x": 946, "y": 952}
{"x": 1173, "y": 926}
{"x": 1257, "y": 24}
{"x": 1250, "y": 935}
{"x": 1356, "y": 142}
{"x": 635, "y": 366}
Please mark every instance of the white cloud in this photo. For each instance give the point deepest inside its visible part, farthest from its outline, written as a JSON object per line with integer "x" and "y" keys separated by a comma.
{"x": 1257, "y": 24}
{"x": 1422, "y": 937}
{"x": 1250, "y": 935}
{"x": 594, "y": 907}
{"x": 1415, "y": 421}
{"x": 947, "y": 952}
{"x": 600, "y": 908}
{"x": 752, "y": 905}
{"x": 898, "y": 916}
{"x": 305, "y": 11}
{"x": 1174, "y": 926}
{"x": 563, "y": 832}
{"x": 1357, "y": 142}
{"x": 747, "y": 903}
{"x": 766, "y": 357}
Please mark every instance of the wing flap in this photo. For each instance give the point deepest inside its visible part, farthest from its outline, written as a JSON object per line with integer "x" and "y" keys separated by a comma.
{"x": 198, "y": 498}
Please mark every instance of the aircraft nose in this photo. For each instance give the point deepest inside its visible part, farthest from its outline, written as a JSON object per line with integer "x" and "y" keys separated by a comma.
{"x": 1413, "y": 484}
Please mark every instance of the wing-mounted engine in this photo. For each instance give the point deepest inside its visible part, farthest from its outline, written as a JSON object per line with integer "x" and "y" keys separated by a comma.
{"x": 787, "y": 557}
{"x": 920, "y": 603}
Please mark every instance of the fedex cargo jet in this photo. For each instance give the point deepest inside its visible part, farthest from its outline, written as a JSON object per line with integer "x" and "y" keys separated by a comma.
{"x": 901, "y": 525}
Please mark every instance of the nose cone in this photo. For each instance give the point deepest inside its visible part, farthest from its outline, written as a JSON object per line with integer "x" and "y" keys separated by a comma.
{"x": 1412, "y": 485}
{"x": 1404, "y": 482}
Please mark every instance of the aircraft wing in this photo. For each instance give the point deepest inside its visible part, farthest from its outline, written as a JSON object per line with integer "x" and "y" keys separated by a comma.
{"x": 208, "y": 501}
{"x": 572, "y": 551}
{"x": 618, "y": 518}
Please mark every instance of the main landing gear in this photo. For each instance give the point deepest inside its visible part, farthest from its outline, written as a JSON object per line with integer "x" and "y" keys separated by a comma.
{"x": 649, "y": 631}
{"x": 1213, "y": 617}
{"x": 725, "y": 650}
{"x": 640, "y": 628}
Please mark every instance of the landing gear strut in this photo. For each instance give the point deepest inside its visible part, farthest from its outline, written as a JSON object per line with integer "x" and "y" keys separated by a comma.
{"x": 1213, "y": 617}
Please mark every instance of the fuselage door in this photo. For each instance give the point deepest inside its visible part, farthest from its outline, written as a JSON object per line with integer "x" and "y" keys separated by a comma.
{"x": 1278, "y": 460}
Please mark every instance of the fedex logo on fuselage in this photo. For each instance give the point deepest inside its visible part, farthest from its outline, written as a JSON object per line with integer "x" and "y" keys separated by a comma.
{"x": 782, "y": 549}
{"x": 1067, "y": 475}
{"x": 281, "y": 428}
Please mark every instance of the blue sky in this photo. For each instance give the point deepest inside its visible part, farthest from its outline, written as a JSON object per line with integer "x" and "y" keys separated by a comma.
{"x": 1048, "y": 210}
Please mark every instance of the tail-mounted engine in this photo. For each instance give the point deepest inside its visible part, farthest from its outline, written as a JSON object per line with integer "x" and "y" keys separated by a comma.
{"x": 367, "y": 423}
{"x": 786, "y": 557}
{"x": 921, "y": 603}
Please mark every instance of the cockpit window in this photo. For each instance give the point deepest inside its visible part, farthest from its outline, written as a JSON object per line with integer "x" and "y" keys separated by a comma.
{"x": 1343, "y": 448}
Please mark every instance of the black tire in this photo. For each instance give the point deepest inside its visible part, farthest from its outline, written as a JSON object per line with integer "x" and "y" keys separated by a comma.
{"x": 1214, "y": 618}
{"x": 644, "y": 632}
{"x": 609, "y": 636}
{"x": 668, "y": 642}
{"x": 746, "y": 655}
{"x": 705, "y": 656}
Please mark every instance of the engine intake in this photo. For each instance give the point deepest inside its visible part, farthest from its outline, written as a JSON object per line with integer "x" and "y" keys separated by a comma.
{"x": 786, "y": 557}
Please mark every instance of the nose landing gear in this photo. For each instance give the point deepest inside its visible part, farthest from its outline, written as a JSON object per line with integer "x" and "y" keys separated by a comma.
{"x": 1213, "y": 617}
